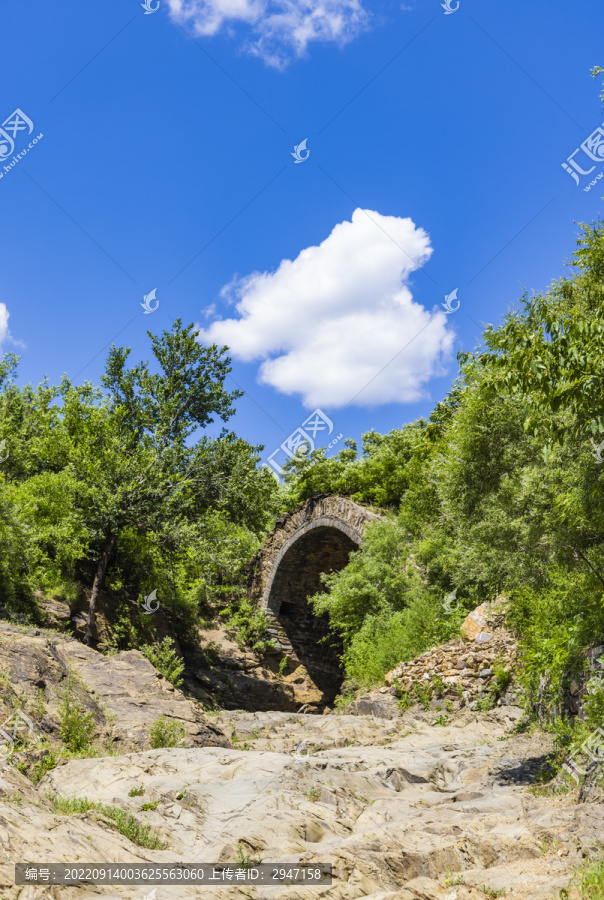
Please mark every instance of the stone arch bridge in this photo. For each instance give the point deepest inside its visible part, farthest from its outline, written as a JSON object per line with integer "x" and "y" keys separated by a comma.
{"x": 318, "y": 537}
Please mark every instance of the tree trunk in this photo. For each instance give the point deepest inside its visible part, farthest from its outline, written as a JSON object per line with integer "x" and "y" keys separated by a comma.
{"x": 97, "y": 584}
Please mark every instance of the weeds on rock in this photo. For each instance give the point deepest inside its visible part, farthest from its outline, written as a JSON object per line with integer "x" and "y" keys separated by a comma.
{"x": 71, "y": 806}
{"x": 590, "y": 882}
{"x": 501, "y": 681}
{"x": 250, "y": 624}
{"x": 491, "y": 892}
{"x": 77, "y": 726}
{"x": 139, "y": 833}
{"x": 211, "y": 654}
{"x": 165, "y": 659}
{"x": 484, "y": 704}
{"x": 422, "y": 692}
{"x": 405, "y": 700}
{"x": 441, "y": 720}
{"x": 38, "y": 707}
{"x": 246, "y": 860}
{"x": 136, "y": 791}
{"x": 343, "y": 701}
{"x": 40, "y": 769}
{"x": 165, "y": 732}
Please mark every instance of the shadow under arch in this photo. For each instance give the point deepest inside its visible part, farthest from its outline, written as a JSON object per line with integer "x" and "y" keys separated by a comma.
{"x": 322, "y": 546}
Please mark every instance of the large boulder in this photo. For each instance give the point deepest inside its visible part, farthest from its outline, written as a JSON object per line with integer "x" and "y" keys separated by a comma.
{"x": 123, "y": 693}
{"x": 484, "y": 619}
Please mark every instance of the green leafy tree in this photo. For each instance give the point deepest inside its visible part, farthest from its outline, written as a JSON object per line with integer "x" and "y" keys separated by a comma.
{"x": 131, "y": 447}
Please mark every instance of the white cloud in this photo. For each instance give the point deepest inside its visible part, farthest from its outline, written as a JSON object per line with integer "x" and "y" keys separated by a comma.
{"x": 327, "y": 322}
{"x": 4, "y": 332}
{"x": 280, "y": 28}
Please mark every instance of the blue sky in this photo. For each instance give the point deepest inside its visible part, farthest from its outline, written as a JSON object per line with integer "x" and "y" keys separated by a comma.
{"x": 166, "y": 164}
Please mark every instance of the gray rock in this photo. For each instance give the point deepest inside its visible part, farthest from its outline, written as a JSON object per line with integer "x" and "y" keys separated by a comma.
{"x": 123, "y": 693}
{"x": 393, "y": 805}
{"x": 483, "y": 638}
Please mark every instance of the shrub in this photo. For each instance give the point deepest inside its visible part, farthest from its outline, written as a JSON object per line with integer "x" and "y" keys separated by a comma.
{"x": 251, "y": 625}
{"x": 484, "y": 704}
{"x": 165, "y": 659}
{"x": 40, "y": 769}
{"x": 343, "y": 701}
{"x": 387, "y": 639}
{"x": 591, "y": 882}
{"x": 76, "y": 726}
{"x": 166, "y": 733}
{"x": 501, "y": 681}
{"x": 594, "y": 704}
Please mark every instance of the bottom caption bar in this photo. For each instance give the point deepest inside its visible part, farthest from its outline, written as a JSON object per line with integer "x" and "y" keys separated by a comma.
{"x": 206, "y": 873}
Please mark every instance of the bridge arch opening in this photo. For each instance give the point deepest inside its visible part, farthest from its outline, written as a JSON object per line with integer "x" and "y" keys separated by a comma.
{"x": 322, "y": 548}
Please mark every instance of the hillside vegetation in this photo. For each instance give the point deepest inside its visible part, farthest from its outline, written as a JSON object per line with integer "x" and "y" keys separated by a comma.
{"x": 118, "y": 488}
{"x": 498, "y": 492}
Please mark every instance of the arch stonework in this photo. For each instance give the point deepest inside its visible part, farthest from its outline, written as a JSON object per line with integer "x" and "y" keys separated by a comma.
{"x": 318, "y": 537}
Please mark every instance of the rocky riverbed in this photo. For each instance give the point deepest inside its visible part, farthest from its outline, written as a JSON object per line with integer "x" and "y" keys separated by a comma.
{"x": 411, "y": 806}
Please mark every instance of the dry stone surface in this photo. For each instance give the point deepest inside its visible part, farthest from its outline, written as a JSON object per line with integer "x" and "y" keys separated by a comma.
{"x": 124, "y": 694}
{"x": 220, "y": 673}
{"x": 403, "y": 810}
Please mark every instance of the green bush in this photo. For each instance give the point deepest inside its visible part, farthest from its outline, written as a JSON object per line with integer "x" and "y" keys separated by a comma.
{"x": 76, "y": 726}
{"x": 594, "y": 704}
{"x": 556, "y": 623}
{"x": 251, "y": 625}
{"x": 386, "y": 639}
{"x": 501, "y": 681}
{"x": 375, "y": 583}
{"x": 166, "y": 732}
{"x": 40, "y": 769}
{"x": 136, "y": 791}
{"x": 165, "y": 659}
{"x": 590, "y": 882}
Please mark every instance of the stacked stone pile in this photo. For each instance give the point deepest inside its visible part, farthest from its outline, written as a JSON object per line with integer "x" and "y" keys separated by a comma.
{"x": 465, "y": 665}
